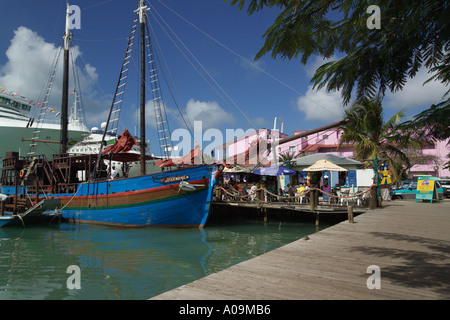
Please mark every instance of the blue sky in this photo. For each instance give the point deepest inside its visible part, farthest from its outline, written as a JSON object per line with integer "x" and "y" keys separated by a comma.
{"x": 222, "y": 38}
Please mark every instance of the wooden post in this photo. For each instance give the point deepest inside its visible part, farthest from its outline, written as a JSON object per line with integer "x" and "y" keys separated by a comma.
{"x": 3, "y": 207}
{"x": 350, "y": 214}
{"x": 373, "y": 198}
{"x": 380, "y": 202}
{"x": 260, "y": 195}
{"x": 317, "y": 219}
{"x": 15, "y": 192}
{"x": 219, "y": 194}
{"x": 37, "y": 189}
{"x": 313, "y": 199}
{"x": 265, "y": 214}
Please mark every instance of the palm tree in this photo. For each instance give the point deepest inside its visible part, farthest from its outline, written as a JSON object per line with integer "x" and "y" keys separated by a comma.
{"x": 373, "y": 137}
{"x": 286, "y": 158}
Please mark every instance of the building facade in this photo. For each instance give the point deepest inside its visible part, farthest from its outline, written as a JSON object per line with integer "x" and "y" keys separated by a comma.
{"x": 430, "y": 161}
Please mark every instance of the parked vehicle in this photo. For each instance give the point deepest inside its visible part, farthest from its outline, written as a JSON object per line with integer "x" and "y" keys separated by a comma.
{"x": 403, "y": 185}
{"x": 409, "y": 191}
{"x": 445, "y": 183}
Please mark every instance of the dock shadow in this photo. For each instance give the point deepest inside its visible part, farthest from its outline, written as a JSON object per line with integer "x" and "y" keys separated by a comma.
{"x": 427, "y": 268}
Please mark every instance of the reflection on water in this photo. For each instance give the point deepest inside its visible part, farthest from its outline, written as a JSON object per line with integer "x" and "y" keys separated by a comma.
{"x": 127, "y": 263}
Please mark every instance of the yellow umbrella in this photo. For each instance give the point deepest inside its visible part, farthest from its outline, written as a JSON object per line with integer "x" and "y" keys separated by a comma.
{"x": 324, "y": 165}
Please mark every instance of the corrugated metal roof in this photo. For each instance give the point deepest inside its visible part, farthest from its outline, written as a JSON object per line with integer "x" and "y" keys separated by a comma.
{"x": 311, "y": 159}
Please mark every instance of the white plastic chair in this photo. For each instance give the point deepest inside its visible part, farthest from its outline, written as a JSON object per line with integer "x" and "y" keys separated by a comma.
{"x": 342, "y": 194}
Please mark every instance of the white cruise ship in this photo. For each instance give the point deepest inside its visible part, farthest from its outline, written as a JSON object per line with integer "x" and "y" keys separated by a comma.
{"x": 16, "y": 125}
{"x": 91, "y": 145}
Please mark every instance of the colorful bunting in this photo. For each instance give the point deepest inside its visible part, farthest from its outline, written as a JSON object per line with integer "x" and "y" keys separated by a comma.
{"x": 32, "y": 102}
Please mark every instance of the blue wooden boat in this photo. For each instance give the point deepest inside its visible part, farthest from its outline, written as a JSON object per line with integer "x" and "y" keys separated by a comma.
{"x": 178, "y": 198}
{"x": 80, "y": 184}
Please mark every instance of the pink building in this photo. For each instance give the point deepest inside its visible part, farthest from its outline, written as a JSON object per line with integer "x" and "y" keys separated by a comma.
{"x": 322, "y": 142}
{"x": 246, "y": 142}
{"x": 431, "y": 161}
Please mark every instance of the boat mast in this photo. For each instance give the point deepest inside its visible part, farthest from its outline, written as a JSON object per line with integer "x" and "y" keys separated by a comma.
{"x": 65, "y": 90}
{"x": 142, "y": 17}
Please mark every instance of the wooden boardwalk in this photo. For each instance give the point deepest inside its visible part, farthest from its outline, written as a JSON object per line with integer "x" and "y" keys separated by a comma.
{"x": 408, "y": 241}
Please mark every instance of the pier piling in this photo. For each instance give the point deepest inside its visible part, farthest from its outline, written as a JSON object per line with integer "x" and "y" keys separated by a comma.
{"x": 350, "y": 214}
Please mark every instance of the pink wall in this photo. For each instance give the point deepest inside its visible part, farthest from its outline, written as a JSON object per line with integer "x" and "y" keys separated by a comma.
{"x": 321, "y": 142}
{"x": 327, "y": 141}
{"x": 435, "y": 166}
{"x": 242, "y": 143}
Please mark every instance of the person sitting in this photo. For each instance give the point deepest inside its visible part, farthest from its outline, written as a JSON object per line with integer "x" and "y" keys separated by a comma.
{"x": 301, "y": 192}
{"x": 252, "y": 193}
{"x": 291, "y": 192}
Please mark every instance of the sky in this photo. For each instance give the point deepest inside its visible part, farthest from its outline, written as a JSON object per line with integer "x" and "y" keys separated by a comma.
{"x": 212, "y": 71}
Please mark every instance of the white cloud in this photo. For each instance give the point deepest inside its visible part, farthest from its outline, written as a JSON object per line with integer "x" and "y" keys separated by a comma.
{"x": 29, "y": 64}
{"x": 210, "y": 113}
{"x": 91, "y": 73}
{"x": 415, "y": 93}
{"x": 321, "y": 105}
{"x": 29, "y": 60}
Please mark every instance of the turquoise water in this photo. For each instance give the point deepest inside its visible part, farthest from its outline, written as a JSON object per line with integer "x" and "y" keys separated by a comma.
{"x": 127, "y": 263}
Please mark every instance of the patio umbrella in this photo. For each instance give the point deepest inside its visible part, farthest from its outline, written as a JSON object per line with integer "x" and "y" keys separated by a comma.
{"x": 324, "y": 165}
{"x": 274, "y": 171}
{"x": 236, "y": 169}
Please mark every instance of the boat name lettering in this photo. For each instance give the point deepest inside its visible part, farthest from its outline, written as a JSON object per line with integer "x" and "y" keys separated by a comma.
{"x": 172, "y": 179}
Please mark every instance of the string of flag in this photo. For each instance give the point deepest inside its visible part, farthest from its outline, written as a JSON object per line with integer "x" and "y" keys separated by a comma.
{"x": 32, "y": 102}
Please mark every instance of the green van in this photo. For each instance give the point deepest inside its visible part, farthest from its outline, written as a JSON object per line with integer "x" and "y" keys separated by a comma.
{"x": 409, "y": 191}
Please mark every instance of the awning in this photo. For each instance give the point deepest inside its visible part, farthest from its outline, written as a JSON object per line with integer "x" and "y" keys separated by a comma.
{"x": 274, "y": 171}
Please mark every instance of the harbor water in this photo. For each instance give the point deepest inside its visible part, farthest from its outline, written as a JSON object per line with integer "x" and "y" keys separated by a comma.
{"x": 48, "y": 261}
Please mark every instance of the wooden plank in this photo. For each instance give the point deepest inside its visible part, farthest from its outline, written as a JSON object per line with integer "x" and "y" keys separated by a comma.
{"x": 408, "y": 241}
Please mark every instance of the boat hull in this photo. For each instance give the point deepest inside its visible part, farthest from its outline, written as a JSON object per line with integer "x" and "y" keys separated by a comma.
{"x": 185, "y": 210}
{"x": 9, "y": 220}
{"x": 151, "y": 200}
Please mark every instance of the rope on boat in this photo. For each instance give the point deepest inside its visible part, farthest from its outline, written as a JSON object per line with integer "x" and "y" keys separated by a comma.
{"x": 21, "y": 220}
{"x": 78, "y": 189}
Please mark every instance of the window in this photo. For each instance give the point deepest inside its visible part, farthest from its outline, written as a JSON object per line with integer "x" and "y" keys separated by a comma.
{"x": 292, "y": 149}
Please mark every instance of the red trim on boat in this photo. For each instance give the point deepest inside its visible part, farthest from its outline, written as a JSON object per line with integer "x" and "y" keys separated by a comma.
{"x": 172, "y": 186}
